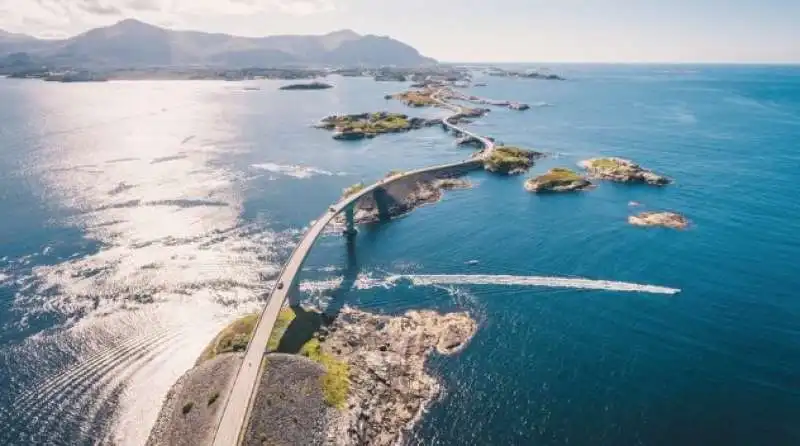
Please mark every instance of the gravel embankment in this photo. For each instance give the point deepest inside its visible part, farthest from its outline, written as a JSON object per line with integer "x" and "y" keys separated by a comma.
{"x": 290, "y": 408}
{"x": 191, "y": 410}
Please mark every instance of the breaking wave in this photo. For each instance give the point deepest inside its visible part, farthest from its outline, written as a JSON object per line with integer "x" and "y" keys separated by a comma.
{"x": 292, "y": 170}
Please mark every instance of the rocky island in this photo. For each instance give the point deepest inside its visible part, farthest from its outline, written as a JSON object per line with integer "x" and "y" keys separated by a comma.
{"x": 307, "y": 86}
{"x": 622, "y": 171}
{"x": 370, "y": 125}
{"x": 557, "y": 179}
{"x": 510, "y": 160}
{"x": 664, "y": 219}
{"x": 389, "y": 386}
{"x": 400, "y": 197}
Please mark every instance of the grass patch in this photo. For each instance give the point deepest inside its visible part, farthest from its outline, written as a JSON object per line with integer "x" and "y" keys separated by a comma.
{"x": 605, "y": 163}
{"x": 393, "y": 173}
{"x": 507, "y": 159}
{"x": 336, "y": 381}
{"x": 559, "y": 175}
{"x": 213, "y": 398}
{"x": 233, "y": 338}
{"x": 187, "y": 407}
{"x": 354, "y": 189}
{"x": 285, "y": 318}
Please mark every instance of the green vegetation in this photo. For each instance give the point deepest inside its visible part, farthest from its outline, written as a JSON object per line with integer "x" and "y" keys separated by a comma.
{"x": 213, "y": 398}
{"x": 233, "y": 338}
{"x": 510, "y": 160}
{"x": 285, "y": 318}
{"x": 354, "y": 189}
{"x": 187, "y": 407}
{"x": 336, "y": 381}
{"x": 393, "y": 173}
{"x": 558, "y": 175}
{"x": 378, "y": 122}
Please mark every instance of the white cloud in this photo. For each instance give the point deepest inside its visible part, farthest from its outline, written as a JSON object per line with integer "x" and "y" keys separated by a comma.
{"x": 56, "y": 17}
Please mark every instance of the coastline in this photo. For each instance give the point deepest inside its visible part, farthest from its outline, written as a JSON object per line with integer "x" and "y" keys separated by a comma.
{"x": 385, "y": 358}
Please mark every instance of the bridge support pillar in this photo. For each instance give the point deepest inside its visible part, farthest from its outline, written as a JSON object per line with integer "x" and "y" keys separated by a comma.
{"x": 350, "y": 218}
{"x": 382, "y": 201}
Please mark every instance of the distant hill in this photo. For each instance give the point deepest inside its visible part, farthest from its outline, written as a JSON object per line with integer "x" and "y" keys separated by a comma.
{"x": 134, "y": 44}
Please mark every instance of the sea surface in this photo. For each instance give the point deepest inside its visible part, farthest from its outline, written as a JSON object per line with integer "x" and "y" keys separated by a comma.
{"x": 138, "y": 218}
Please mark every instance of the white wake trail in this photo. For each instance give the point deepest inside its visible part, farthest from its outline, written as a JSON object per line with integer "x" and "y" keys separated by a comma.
{"x": 543, "y": 281}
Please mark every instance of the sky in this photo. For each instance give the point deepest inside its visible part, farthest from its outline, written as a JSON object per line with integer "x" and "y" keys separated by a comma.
{"x": 683, "y": 31}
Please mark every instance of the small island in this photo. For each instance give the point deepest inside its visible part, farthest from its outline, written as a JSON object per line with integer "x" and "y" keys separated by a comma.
{"x": 497, "y": 72}
{"x": 307, "y": 86}
{"x": 416, "y": 98}
{"x": 622, "y": 171}
{"x": 670, "y": 220}
{"x": 557, "y": 179}
{"x": 510, "y": 160}
{"x": 400, "y": 197}
{"x": 369, "y": 125}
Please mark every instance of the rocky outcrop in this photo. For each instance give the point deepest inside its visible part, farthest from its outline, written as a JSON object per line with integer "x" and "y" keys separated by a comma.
{"x": 401, "y": 197}
{"x": 452, "y": 183}
{"x": 622, "y": 170}
{"x": 389, "y": 386}
{"x": 510, "y": 160}
{"x": 468, "y": 141}
{"x": 557, "y": 180}
{"x": 664, "y": 219}
{"x": 308, "y": 86}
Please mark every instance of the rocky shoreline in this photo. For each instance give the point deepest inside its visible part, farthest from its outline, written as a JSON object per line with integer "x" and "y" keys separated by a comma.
{"x": 670, "y": 220}
{"x": 389, "y": 386}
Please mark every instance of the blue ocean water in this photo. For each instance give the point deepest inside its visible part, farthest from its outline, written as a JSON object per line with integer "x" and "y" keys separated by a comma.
{"x": 140, "y": 217}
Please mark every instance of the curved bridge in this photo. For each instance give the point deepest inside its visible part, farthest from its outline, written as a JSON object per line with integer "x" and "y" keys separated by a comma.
{"x": 235, "y": 414}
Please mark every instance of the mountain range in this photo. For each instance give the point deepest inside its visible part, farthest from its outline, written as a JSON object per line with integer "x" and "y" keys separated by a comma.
{"x": 134, "y": 44}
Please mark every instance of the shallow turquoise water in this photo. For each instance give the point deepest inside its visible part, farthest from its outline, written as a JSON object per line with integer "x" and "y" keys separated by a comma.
{"x": 140, "y": 217}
